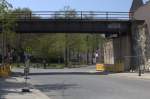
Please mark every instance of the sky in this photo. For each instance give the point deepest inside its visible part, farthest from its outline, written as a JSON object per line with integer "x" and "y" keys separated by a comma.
{"x": 79, "y": 5}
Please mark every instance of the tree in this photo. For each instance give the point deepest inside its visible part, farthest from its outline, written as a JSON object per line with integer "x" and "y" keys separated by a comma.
{"x": 6, "y": 25}
{"x": 22, "y": 13}
{"x": 62, "y": 46}
{"x": 80, "y": 44}
{"x": 4, "y": 6}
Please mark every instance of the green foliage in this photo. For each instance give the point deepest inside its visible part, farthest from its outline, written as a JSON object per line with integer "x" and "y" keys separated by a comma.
{"x": 55, "y": 46}
{"x": 4, "y": 6}
{"x": 51, "y": 46}
{"x": 7, "y": 22}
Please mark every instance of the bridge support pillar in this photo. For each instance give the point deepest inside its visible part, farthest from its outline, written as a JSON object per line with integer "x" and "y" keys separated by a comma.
{"x": 122, "y": 51}
{"x": 129, "y": 50}
{"x": 116, "y": 51}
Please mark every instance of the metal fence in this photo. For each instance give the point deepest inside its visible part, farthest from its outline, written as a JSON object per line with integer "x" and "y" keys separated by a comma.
{"x": 72, "y": 15}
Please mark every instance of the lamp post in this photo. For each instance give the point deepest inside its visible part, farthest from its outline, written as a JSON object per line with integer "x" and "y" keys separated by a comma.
{"x": 139, "y": 64}
{"x": 139, "y": 55}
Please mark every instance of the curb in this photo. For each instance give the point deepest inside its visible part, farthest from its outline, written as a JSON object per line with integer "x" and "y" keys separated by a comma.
{"x": 39, "y": 95}
{"x": 130, "y": 76}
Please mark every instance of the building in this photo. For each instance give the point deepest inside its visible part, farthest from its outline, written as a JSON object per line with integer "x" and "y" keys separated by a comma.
{"x": 141, "y": 12}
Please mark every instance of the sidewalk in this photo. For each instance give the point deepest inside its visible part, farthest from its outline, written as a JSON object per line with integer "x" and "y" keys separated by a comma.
{"x": 10, "y": 88}
{"x": 132, "y": 75}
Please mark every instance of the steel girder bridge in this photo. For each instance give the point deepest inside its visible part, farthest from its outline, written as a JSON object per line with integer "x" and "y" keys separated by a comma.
{"x": 108, "y": 23}
{"x": 72, "y": 22}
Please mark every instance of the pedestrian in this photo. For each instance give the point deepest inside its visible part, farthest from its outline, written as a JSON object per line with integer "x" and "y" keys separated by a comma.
{"x": 44, "y": 63}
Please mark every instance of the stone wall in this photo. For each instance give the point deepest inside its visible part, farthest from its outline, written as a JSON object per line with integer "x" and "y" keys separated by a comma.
{"x": 142, "y": 13}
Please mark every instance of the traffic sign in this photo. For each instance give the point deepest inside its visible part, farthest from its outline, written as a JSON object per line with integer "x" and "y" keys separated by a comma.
{"x": 28, "y": 49}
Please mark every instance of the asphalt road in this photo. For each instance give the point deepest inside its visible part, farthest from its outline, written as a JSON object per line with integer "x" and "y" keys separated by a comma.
{"x": 88, "y": 86}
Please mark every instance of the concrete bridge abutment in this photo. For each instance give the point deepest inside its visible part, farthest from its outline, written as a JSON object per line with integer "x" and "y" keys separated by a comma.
{"x": 127, "y": 50}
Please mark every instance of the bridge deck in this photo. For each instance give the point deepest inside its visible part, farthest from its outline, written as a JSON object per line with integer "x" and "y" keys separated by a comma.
{"x": 72, "y": 26}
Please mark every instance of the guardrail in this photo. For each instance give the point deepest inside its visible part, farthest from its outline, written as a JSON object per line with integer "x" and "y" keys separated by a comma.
{"x": 72, "y": 15}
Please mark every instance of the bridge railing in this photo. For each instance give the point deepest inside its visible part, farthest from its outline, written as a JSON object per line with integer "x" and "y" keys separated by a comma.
{"x": 72, "y": 15}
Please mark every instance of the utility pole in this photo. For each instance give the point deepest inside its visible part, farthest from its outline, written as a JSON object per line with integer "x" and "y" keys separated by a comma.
{"x": 139, "y": 63}
{"x": 139, "y": 52}
{"x": 66, "y": 50}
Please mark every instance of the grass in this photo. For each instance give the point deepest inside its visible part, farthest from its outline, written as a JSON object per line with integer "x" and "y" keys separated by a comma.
{"x": 48, "y": 65}
{"x": 39, "y": 65}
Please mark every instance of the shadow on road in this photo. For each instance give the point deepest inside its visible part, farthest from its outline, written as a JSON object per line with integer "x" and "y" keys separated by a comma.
{"x": 17, "y": 74}
{"x": 52, "y": 87}
{"x": 9, "y": 86}
{"x": 69, "y": 73}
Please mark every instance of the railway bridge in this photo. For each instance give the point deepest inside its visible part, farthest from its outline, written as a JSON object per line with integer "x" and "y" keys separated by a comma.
{"x": 119, "y": 28}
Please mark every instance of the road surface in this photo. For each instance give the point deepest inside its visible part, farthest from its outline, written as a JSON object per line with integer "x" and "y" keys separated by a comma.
{"x": 88, "y": 86}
